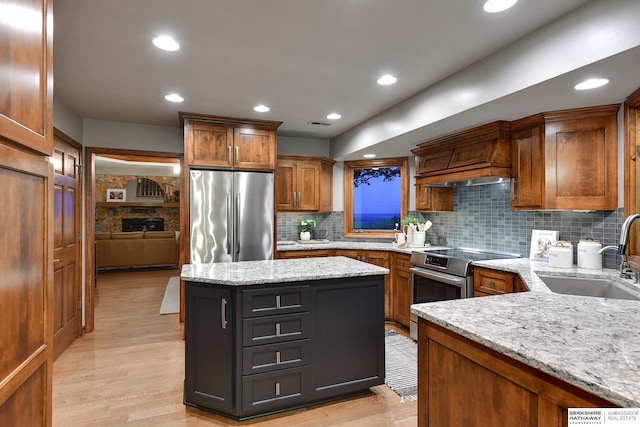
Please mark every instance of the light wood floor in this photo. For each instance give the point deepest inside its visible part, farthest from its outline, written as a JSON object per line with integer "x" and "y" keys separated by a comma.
{"x": 130, "y": 371}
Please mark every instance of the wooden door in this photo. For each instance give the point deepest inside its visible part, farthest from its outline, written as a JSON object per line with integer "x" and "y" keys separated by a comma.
{"x": 632, "y": 172}
{"x": 26, "y": 264}
{"x": 208, "y": 145}
{"x": 308, "y": 182}
{"x": 254, "y": 149}
{"x": 527, "y": 164}
{"x": 581, "y": 158}
{"x": 401, "y": 296}
{"x": 285, "y": 185}
{"x": 67, "y": 323}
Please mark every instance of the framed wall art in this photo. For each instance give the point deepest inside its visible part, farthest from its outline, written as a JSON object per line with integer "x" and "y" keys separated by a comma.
{"x": 116, "y": 195}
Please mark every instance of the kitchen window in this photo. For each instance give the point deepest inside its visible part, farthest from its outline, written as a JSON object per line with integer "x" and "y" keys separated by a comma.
{"x": 375, "y": 196}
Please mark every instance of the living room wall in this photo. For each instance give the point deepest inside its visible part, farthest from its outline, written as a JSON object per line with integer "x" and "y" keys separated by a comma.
{"x": 109, "y": 218}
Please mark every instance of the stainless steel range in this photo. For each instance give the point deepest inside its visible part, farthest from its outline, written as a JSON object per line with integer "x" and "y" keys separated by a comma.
{"x": 444, "y": 274}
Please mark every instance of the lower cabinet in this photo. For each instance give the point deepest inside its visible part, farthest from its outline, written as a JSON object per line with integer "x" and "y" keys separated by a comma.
{"x": 400, "y": 286}
{"x": 209, "y": 324}
{"x": 462, "y": 383}
{"x": 255, "y": 350}
{"x": 487, "y": 282}
{"x": 381, "y": 259}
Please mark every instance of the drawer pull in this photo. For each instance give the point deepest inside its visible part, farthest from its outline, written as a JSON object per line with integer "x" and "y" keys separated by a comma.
{"x": 223, "y": 313}
{"x": 278, "y": 301}
{"x": 277, "y": 388}
{"x": 278, "y": 360}
{"x": 277, "y": 329}
{"x": 491, "y": 283}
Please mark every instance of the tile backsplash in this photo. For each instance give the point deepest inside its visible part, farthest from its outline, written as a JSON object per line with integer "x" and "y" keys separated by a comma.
{"x": 482, "y": 219}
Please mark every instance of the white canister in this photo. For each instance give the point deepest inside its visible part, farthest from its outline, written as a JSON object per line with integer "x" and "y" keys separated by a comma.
{"x": 561, "y": 254}
{"x": 588, "y": 254}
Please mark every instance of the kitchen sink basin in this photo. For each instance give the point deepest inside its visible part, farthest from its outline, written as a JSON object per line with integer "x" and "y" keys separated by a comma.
{"x": 587, "y": 287}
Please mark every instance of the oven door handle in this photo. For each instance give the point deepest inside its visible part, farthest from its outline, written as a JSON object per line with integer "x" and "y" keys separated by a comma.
{"x": 440, "y": 277}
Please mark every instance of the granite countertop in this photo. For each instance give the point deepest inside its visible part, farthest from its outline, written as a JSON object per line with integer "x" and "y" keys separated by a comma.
{"x": 593, "y": 343}
{"x": 278, "y": 271}
{"x": 283, "y": 246}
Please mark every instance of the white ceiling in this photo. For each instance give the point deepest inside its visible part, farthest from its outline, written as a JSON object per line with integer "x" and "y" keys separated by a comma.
{"x": 303, "y": 58}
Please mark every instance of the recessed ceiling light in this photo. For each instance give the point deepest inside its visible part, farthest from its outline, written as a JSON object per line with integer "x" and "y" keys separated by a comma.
{"x": 174, "y": 97}
{"x": 591, "y": 84}
{"x": 494, "y": 6}
{"x": 334, "y": 116}
{"x": 387, "y": 79}
{"x": 261, "y": 108}
{"x": 368, "y": 156}
{"x": 166, "y": 43}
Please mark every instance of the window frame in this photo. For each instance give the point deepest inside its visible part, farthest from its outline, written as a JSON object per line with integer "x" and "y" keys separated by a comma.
{"x": 349, "y": 168}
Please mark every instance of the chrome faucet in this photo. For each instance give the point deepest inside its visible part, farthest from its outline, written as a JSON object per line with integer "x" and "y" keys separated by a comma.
{"x": 625, "y": 269}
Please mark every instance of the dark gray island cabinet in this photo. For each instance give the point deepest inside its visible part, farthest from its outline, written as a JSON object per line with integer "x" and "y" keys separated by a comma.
{"x": 257, "y": 348}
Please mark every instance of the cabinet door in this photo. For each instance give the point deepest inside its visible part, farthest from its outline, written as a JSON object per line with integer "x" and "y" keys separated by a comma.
{"x": 285, "y": 185}
{"x": 308, "y": 183}
{"x": 347, "y": 336}
{"x": 381, "y": 259}
{"x": 581, "y": 162}
{"x": 254, "y": 149}
{"x": 209, "y": 365}
{"x": 430, "y": 198}
{"x": 209, "y": 145}
{"x": 527, "y": 168}
{"x": 401, "y": 299}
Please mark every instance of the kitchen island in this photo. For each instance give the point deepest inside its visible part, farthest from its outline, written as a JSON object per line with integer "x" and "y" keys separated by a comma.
{"x": 269, "y": 336}
{"x": 527, "y": 356}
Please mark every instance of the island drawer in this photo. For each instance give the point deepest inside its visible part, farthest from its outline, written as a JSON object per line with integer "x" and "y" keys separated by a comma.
{"x": 273, "y": 390}
{"x": 265, "y": 358}
{"x": 272, "y": 329}
{"x": 267, "y": 301}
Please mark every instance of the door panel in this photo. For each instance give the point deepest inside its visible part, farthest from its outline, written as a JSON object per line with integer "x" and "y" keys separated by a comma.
{"x": 67, "y": 323}
{"x": 254, "y": 228}
{"x": 211, "y": 202}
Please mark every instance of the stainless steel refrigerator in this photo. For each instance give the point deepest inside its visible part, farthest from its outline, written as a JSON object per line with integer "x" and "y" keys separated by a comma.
{"x": 231, "y": 216}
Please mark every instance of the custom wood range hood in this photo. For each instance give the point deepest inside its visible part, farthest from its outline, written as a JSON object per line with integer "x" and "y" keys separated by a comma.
{"x": 477, "y": 156}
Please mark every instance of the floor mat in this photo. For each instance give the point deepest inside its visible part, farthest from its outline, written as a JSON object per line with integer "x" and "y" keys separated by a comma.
{"x": 401, "y": 360}
{"x": 171, "y": 301}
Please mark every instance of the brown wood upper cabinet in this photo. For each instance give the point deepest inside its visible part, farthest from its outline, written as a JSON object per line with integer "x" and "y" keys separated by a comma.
{"x": 229, "y": 143}
{"x": 429, "y": 198}
{"x": 566, "y": 160}
{"x": 304, "y": 183}
{"x": 481, "y": 151}
{"x": 632, "y": 172}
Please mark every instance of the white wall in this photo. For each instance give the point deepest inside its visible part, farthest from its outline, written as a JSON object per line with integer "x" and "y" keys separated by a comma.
{"x": 67, "y": 121}
{"x": 303, "y": 146}
{"x": 132, "y": 136}
{"x": 599, "y": 30}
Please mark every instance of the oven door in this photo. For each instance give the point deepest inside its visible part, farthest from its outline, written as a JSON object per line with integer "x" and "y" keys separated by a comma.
{"x": 429, "y": 286}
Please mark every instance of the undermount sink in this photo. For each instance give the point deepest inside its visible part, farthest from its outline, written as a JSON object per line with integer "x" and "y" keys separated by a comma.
{"x": 587, "y": 287}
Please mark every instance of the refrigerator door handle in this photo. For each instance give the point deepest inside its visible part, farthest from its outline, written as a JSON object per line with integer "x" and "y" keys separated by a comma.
{"x": 237, "y": 227}
{"x": 229, "y": 201}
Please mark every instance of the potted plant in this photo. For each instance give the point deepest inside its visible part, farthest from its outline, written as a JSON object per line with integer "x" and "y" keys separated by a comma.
{"x": 409, "y": 226}
{"x": 305, "y": 228}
